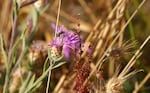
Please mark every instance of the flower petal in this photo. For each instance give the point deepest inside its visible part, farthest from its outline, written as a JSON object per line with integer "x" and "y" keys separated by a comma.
{"x": 66, "y": 52}
{"x": 59, "y": 29}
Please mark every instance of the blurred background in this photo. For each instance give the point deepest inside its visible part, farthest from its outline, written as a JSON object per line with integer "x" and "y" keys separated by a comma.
{"x": 38, "y": 15}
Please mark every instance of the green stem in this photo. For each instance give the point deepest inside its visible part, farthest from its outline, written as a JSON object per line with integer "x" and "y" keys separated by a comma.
{"x": 39, "y": 79}
{"x": 56, "y": 28}
{"x": 5, "y": 88}
{"x": 48, "y": 82}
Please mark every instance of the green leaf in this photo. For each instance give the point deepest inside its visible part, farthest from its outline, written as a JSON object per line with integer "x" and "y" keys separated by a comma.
{"x": 16, "y": 7}
{"x": 34, "y": 16}
{"x": 25, "y": 83}
{"x": 31, "y": 81}
{"x": 59, "y": 59}
{"x": 56, "y": 65}
{"x": 39, "y": 80}
{"x": 45, "y": 65}
{"x": 42, "y": 10}
{"x": 49, "y": 54}
{"x": 36, "y": 87}
{"x": 3, "y": 50}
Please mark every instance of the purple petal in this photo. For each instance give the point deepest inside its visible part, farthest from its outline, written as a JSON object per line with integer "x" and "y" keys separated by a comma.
{"x": 89, "y": 50}
{"x": 59, "y": 29}
{"x": 53, "y": 26}
{"x": 66, "y": 52}
{"x": 68, "y": 40}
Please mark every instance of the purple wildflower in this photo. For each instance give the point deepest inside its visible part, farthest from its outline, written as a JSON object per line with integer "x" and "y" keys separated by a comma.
{"x": 67, "y": 39}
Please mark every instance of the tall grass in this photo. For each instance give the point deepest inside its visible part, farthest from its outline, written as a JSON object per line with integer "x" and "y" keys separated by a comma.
{"x": 34, "y": 56}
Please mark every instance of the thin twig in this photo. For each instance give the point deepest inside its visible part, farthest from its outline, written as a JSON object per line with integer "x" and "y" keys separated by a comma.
{"x": 73, "y": 19}
{"x": 56, "y": 28}
{"x": 132, "y": 62}
{"x": 137, "y": 88}
{"x": 49, "y": 76}
{"x": 59, "y": 84}
{"x": 26, "y": 3}
{"x": 58, "y": 14}
{"x": 88, "y": 10}
{"x": 10, "y": 53}
{"x": 12, "y": 37}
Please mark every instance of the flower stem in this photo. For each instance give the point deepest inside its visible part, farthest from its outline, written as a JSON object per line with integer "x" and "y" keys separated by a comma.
{"x": 49, "y": 76}
{"x": 56, "y": 28}
{"x": 5, "y": 88}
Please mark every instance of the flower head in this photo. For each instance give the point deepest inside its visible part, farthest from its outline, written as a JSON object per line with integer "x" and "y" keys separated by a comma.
{"x": 67, "y": 39}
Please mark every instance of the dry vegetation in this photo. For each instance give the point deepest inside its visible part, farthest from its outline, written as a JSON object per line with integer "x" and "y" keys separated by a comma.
{"x": 102, "y": 47}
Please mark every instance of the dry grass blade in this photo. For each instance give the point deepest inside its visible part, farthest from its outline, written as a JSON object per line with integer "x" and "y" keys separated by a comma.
{"x": 112, "y": 43}
{"x": 132, "y": 61}
{"x": 88, "y": 10}
{"x": 59, "y": 85}
{"x": 56, "y": 28}
{"x": 138, "y": 87}
{"x": 115, "y": 83}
